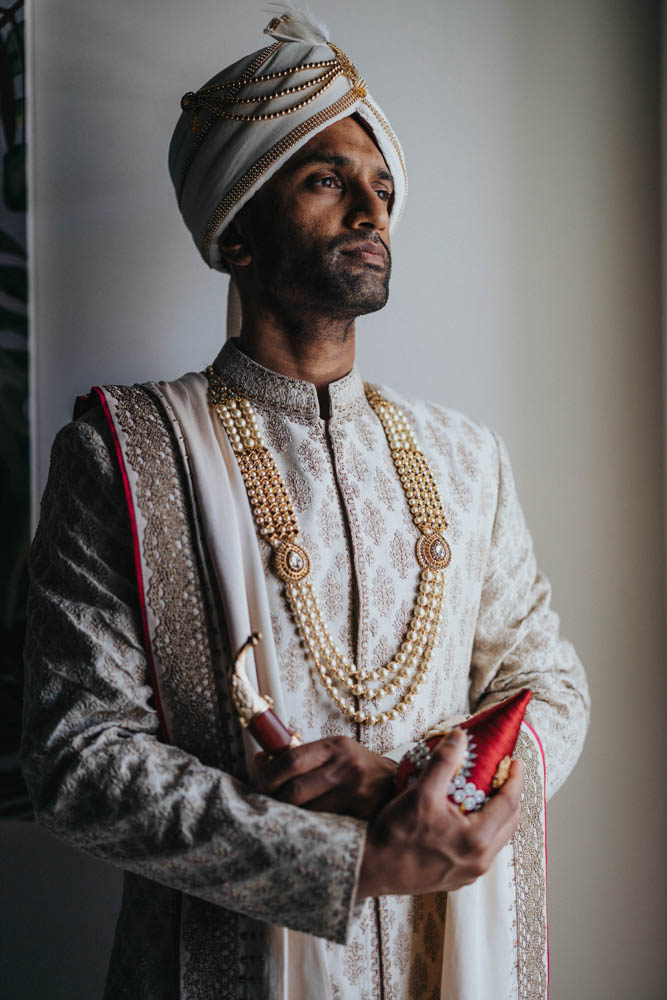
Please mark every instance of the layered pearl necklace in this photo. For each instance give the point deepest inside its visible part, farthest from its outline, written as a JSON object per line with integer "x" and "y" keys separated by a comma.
{"x": 345, "y": 683}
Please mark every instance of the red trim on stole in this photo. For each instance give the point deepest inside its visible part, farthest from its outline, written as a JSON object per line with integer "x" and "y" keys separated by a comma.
{"x": 546, "y": 853}
{"x": 137, "y": 559}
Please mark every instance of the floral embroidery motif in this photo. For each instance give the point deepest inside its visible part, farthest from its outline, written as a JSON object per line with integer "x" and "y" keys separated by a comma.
{"x": 357, "y": 464}
{"x": 277, "y": 431}
{"x": 383, "y": 592}
{"x": 311, "y": 458}
{"x": 402, "y": 948}
{"x": 299, "y": 490}
{"x": 328, "y": 524}
{"x": 438, "y": 439}
{"x": 331, "y": 595}
{"x": 354, "y": 962}
{"x": 461, "y": 491}
{"x": 417, "y": 911}
{"x": 363, "y": 427}
{"x": 418, "y": 981}
{"x": 386, "y": 489}
{"x": 402, "y": 555}
{"x": 432, "y": 938}
{"x": 292, "y": 668}
{"x": 382, "y": 652}
{"x": 372, "y": 521}
{"x": 469, "y": 463}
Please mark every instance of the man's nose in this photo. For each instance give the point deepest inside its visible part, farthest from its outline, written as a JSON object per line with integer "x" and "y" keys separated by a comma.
{"x": 367, "y": 210}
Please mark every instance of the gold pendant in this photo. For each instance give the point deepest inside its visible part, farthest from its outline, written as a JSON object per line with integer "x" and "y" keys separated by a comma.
{"x": 291, "y": 561}
{"x": 433, "y": 552}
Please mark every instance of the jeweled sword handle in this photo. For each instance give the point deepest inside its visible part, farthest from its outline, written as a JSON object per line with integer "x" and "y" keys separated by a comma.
{"x": 255, "y": 711}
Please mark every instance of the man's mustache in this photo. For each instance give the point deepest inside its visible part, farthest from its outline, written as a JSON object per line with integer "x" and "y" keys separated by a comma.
{"x": 354, "y": 241}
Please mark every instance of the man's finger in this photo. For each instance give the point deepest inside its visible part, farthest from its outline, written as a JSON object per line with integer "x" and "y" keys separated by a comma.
{"x": 445, "y": 762}
{"x": 304, "y": 788}
{"x": 289, "y": 764}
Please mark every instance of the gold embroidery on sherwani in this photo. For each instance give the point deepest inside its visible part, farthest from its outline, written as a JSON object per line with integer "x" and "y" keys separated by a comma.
{"x": 181, "y": 640}
{"x": 530, "y": 879}
{"x": 211, "y": 945}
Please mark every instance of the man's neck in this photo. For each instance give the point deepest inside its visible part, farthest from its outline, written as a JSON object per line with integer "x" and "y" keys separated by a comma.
{"x": 322, "y": 356}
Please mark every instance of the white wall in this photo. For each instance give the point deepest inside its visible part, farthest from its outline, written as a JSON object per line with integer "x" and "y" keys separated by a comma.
{"x": 526, "y": 293}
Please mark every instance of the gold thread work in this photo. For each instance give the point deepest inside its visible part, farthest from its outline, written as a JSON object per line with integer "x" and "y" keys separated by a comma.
{"x": 219, "y": 98}
{"x": 202, "y": 133}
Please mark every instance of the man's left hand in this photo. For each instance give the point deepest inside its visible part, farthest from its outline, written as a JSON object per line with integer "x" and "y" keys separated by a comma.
{"x": 331, "y": 775}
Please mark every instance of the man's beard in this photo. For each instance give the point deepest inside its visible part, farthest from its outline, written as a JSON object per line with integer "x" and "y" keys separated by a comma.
{"x": 304, "y": 273}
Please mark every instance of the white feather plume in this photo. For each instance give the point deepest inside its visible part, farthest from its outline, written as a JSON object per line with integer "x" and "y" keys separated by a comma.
{"x": 300, "y": 26}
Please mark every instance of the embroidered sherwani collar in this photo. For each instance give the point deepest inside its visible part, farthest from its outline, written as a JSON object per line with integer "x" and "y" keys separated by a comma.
{"x": 291, "y": 396}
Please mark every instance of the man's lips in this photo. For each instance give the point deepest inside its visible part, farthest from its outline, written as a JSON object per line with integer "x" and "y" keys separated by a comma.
{"x": 368, "y": 252}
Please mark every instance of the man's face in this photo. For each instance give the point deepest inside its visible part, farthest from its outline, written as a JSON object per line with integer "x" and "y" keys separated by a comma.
{"x": 318, "y": 230}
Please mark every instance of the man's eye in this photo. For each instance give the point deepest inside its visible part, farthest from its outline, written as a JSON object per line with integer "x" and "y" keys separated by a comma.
{"x": 329, "y": 181}
{"x": 383, "y": 194}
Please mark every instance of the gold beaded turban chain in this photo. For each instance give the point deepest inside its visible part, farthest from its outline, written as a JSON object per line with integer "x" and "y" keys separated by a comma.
{"x": 240, "y": 127}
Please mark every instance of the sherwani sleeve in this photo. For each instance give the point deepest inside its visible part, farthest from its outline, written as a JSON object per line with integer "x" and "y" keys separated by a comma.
{"x": 99, "y": 776}
{"x": 517, "y": 642}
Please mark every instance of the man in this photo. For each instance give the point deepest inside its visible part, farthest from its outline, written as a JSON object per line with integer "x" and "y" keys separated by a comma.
{"x": 376, "y": 543}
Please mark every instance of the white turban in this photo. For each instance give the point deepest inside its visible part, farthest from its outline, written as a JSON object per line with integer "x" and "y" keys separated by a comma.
{"x": 239, "y": 129}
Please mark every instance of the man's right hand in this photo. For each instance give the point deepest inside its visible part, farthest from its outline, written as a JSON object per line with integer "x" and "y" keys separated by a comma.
{"x": 421, "y": 842}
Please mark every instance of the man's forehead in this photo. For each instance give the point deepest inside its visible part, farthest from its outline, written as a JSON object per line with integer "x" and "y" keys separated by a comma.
{"x": 340, "y": 144}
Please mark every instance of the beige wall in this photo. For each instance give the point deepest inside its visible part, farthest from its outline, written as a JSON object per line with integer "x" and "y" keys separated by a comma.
{"x": 526, "y": 293}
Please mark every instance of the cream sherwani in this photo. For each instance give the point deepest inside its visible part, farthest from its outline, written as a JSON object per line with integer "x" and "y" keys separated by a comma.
{"x": 205, "y": 852}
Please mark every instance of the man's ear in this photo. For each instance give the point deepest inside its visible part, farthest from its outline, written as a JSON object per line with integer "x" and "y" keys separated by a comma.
{"x": 233, "y": 246}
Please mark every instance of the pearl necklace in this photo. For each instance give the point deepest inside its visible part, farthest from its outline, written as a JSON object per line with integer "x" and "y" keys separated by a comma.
{"x": 274, "y": 514}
